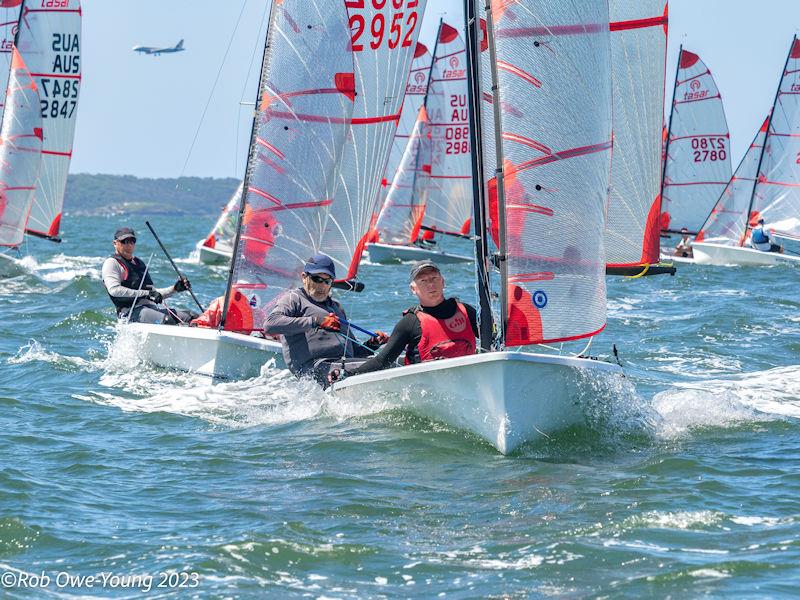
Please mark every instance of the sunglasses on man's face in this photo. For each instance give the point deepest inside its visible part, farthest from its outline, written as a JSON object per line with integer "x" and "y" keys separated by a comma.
{"x": 318, "y": 279}
{"x": 127, "y": 241}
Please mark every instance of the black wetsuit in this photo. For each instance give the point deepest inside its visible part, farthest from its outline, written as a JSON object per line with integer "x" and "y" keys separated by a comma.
{"x": 407, "y": 334}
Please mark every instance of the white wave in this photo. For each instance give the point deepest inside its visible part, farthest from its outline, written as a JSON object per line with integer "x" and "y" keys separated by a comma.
{"x": 743, "y": 398}
{"x": 682, "y": 520}
{"x": 62, "y": 267}
{"x": 33, "y": 351}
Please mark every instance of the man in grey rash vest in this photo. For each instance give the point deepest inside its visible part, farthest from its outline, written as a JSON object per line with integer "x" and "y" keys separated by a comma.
{"x": 310, "y": 322}
{"x": 129, "y": 285}
{"x": 436, "y": 328}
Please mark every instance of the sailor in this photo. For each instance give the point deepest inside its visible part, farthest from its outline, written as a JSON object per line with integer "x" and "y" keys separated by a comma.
{"x": 436, "y": 328}
{"x": 312, "y": 325}
{"x": 684, "y": 247}
{"x": 129, "y": 285}
{"x": 760, "y": 239}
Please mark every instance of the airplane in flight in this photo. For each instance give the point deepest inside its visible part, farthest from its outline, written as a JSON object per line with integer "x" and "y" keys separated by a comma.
{"x": 156, "y": 51}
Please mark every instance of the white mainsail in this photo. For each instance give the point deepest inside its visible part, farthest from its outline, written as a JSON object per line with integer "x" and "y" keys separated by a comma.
{"x": 305, "y": 104}
{"x": 9, "y": 22}
{"x": 638, "y": 59}
{"x": 553, "y": 109}
{"x": 697, "y": 162}
{"x": 20, "y": 151}
{"x": 50, "y": 42}
{"x": 449, "y": 202}
{"x": 223, "y": 233}
{"x": 401, "y": 215}
{"x": 383, "y": 44}
{"x": 416, "y": 90}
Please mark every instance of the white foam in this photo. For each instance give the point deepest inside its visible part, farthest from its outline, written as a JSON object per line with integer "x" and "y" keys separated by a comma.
{"x": 33, "y": 351}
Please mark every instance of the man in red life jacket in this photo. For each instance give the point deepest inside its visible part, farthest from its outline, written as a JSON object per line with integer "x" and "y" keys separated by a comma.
{"x": 436, "y": 328}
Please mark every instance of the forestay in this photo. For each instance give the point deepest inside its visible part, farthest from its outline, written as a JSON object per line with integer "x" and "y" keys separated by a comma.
{"x": 638, "y": 52}
{"x": 49, "y": 39}
{"x": 383, "y": 43}
{"x": 224, "y": 231}
{"x": 554, "y": 109}
{"x": 401, "y": 216}
{"x": 727, "y": 222}
{"x": 416, "y": 90}
{"x": 9, "y": 20}
{"x": 304, "y": 106}
{"x": 449, "y": 204}
{"x": 20, "y": 152}
{"x": 697, "y": 165}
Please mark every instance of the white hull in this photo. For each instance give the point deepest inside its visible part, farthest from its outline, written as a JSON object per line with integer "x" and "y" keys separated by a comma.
{"x": 388, "y": 253}
{"x": 706, "y": 253}
{"x": 678, "y": 260}
{"x": 506, "y": 398}
{"x": 11, "y": 267}
{"x": 213, "y": 256}
{"x": 219, "y": 354}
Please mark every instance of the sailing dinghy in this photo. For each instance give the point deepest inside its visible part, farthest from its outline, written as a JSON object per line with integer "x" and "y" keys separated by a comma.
{"x": 550, "y": 68}
{"x": 697, "y": 163}
{"x": 217, "y": 248}
{"x": 766, "y": 185}
{"x": 438, "y": 193}
{"x": 46, "y": 43}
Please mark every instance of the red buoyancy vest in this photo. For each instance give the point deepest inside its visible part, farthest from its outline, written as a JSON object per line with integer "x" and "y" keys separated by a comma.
{"x": 446, "y": 338}
{"x": 240, "y": 315}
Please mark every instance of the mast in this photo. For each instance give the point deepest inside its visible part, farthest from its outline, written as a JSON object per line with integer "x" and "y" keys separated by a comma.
{"x": 433, "y": 62}
{"x": 502, "y": 257}
{"x": 248, "y": 173}
{"x": 669, "y": 124}
{"x": 472, "y": 30}
{"x": 764, "y": 147}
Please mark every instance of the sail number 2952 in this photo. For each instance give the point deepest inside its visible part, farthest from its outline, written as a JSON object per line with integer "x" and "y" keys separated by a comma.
{"x": 709, "y": 149}
{"x": 393, "y": 27}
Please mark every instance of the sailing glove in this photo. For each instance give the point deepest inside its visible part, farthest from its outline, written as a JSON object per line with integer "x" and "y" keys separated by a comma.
{"x": 155, "y": 296}
{"x": 182, "y": 285}
{"x": 329, "y": 323}
{"x": 379, "y": 339}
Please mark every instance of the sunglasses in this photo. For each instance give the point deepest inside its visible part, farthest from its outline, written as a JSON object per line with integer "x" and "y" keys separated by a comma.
{"x": 318, "y": 279}
{"x": 127, "y": 241}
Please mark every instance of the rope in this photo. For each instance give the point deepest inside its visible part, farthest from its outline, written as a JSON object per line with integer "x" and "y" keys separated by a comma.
{"x": 642, "y": 274}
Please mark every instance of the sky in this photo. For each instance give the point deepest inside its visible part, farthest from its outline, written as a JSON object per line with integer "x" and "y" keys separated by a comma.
{"x": 182, "y": 114}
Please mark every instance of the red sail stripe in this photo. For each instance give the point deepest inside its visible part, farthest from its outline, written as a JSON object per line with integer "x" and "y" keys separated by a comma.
{"x": 58, "y": 75}
{"x": 698, "y": 99}
{"x": 270, "y": 147}
{"x": 522, "y": 32}
{"x": 563, "y": 155}
{"x": 519, "y": 72}
{"x": 523, "y": 277}
{"x": 54, "y": 153}
{"x": 514, "y": 137}
{"x": 638, "y": 23}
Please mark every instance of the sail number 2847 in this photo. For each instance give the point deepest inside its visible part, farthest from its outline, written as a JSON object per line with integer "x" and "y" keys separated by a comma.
{"x": 393, "y": 27}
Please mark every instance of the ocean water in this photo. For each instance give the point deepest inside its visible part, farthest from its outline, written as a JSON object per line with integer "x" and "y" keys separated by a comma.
{"x": 162, "y": 485}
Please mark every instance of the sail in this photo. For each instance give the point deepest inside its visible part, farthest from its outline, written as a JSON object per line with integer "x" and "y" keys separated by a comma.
{"x": 401, "y": 215}
{"x": 416, "y": 89}
{"x": 776, "y": 197}
{"x": 697, "y": 166}
{"x": 224, "y": 231}
{"x": 20, "y": 151}
{"x": 727, "y": 222}
{"x": 638, "y": 51}
{"x": 554, "y": 101}
{"x": 304, "y": 107}
{"x": 9, "y": 19}
{"x": 383, "y": 43}
{"x": 49, "y": 39}
{"x": 449, "y": 204}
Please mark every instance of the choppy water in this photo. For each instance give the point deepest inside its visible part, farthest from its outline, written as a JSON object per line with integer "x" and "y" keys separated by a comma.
{"x": 686, "y": 487}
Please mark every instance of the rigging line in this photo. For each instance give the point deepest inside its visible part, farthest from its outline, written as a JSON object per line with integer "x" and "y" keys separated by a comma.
{"x": 253, "y": 54}
{"x": 211, "y": 93}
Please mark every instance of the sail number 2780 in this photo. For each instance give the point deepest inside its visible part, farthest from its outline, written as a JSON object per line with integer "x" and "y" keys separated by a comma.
{"x": 709, "y": 149}
{"x": 396, "y": 28}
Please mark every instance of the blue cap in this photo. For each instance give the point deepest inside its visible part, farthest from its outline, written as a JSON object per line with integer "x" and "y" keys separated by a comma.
{"x": 320, "y": 263}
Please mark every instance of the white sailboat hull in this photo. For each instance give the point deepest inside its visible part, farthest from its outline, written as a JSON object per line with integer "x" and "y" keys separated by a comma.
{"x": 706, "y": 253}
{"x": 506, "y": 398}
{"x": 388, "y": 253}
{"x": 218, "y": 354}
{"x": 681, "y": 260}
{"x": 213, "y": 256}
{"x": 11, "y": 267}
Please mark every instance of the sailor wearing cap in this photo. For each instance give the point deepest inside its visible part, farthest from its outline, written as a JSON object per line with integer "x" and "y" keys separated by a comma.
{"x": 310, "y": 323}
{"x": 132, "y": 290}
{"x": 436, "y": 328}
